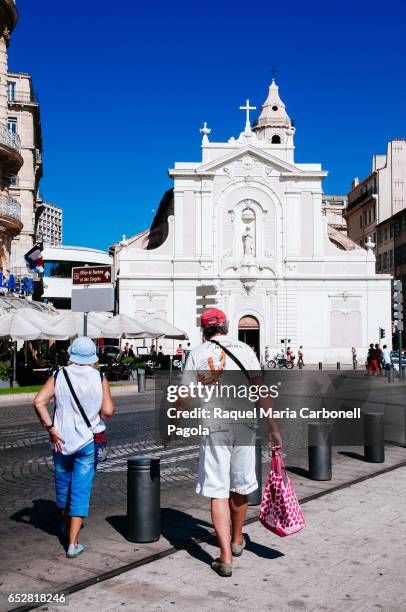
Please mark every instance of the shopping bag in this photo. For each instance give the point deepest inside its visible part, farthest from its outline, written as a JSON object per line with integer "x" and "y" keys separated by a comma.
{"x": 280, "y": 511}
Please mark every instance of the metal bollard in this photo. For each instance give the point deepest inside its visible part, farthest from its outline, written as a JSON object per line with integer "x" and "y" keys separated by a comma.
{"x": 300, "y": 364}
{"x": 255, "y": 498}
{"x": 338, "y": 365}
{"x": 319, "y": 436}
{"x": 320, "y": 365}
{"x": 143, "y": 499}
{"x": 391, "y": 375}
{"x": 141, "y": 381}
{"x": 403, "y": 373}
{"x": 374, "y": 445}
{"x": 354, "y": 365}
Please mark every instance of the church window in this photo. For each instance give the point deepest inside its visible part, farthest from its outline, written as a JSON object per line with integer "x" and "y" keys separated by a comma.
{"x": 274, "y": 108}
{"x": 276, "y": 139}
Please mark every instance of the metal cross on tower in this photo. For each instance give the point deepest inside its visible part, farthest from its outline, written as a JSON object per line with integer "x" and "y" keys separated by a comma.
{"x": 247, "y": 109}
{"x": 274, "y": 72}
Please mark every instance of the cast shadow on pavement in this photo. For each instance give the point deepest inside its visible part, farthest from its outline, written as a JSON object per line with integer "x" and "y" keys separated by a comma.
{"x": 179, "y": 528}
{"x": 352, "y": 455}
{"x": 43, "y": 515}
{"x": 184, "y": 531}
{"x": 299, "y": 471}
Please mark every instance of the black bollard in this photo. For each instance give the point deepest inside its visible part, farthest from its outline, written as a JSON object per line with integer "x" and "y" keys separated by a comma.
{"x": 143, "y": 499}
{"x": 319, "y": 436}
{"x": 320, "y": 365}
{"x": 255, "y": 498}
{"x": 391, "y": 375}
{"x": 338, "y": 365}
{"x": 141, "y": 381}
{"x": 374, "y": 445}
{"x": 354, "y": 365}
{"x": 300, "y": 364}
{"x": 403, "y": 373}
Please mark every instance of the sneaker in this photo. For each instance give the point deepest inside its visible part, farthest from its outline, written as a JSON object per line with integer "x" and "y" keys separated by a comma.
{"x": 222, "y": 569}
{"x": 74, "y": 551}
{"x": 237, "y": 549}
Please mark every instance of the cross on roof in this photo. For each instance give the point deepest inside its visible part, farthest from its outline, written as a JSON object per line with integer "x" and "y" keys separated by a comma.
{"x": 274, "y": 72}
{"x": 247, "y": 109}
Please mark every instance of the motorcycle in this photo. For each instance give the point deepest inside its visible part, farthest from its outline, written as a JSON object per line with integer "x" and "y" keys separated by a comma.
{"x": 280, "y": 361}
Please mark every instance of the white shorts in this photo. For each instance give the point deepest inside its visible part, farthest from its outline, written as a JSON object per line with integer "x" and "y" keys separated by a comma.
{"x": 227, "y": 462}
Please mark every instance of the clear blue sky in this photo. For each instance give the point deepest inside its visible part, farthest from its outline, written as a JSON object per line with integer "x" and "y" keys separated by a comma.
{"x": 125, "y": 86}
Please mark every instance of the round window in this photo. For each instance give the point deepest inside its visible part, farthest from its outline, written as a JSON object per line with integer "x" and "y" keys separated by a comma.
{"x": 274, "y": 108}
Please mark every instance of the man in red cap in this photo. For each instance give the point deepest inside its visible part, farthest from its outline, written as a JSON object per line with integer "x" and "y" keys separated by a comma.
{"x": 227, "y": 454}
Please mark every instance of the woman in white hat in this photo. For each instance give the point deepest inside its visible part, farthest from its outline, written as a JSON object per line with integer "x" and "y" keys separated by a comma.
{"x": 72, "y": 431}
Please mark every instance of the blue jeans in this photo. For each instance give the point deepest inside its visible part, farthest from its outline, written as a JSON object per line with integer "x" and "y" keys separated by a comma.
{"x": 73, "y": 480}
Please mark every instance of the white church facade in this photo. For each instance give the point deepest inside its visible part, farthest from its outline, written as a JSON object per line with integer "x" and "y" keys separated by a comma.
{"x": 248, "y": 220}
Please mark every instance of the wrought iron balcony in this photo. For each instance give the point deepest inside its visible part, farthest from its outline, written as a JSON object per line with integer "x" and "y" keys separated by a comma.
{"x": 10, "y": 139}
{"x": 10, "y": 207}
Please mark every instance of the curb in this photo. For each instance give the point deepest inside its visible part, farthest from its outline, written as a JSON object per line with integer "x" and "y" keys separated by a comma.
{"x": 27, "y": 398}
{"x": 80, "y": 586}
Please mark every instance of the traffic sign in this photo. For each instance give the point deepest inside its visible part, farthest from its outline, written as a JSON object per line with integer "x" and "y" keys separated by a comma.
{"x": 92, "y": 275}
{"x": 88, "y": 299}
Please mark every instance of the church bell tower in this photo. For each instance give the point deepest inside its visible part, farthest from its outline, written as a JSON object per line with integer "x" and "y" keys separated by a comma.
{"x": 274, "y": 125}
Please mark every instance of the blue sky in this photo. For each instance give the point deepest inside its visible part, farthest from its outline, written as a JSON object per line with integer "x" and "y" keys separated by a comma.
{"x": 125, "y": 86}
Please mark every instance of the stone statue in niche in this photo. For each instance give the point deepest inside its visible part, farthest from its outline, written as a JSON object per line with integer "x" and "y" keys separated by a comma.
{"x": 248, "y": 235}
{"x": 248, "y": 242}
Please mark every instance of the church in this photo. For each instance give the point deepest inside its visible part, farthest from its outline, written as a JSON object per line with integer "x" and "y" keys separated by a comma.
{"x": 244, "y": 228}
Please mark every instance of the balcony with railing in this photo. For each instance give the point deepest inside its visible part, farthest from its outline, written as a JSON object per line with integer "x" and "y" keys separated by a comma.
{"x": 360, "y": 197}
{"x": 10, "y": 213}
{"x": 10, "y": 147}
{"x": 22, "y": 96}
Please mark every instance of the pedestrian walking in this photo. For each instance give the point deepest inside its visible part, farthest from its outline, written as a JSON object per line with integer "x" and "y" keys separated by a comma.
{"x": 372, "y": 360}
{"x": 180, "y": 351}
{"x": 227, "y": 454}
{"x": 267, "y": 354}
{"x": 354, "y": 357}
{"x": 379, "y": 357}
{"x": 82, "y": 398}
{"x": 386, "y": 358}
{"x": 300, "y": 356}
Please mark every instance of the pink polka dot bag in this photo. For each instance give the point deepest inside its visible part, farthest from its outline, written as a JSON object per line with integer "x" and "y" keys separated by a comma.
{"x": 280, "y": 511}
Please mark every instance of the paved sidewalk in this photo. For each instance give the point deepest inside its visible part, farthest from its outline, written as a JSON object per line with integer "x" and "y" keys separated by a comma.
{"x": 350, "y": 558}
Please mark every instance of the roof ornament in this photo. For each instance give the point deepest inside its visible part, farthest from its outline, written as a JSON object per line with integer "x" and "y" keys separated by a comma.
{"x": 205, "y": 131}
{"x": 369, "y": 244}
{"x": 247, "y": 109}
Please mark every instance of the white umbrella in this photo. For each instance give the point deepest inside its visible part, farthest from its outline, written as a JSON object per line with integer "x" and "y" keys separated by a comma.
{"x": 70, "y": 324}
{"x": 28, "y": 324}
{"x": 164, "y": 329}
{"x": 123, "y": 326}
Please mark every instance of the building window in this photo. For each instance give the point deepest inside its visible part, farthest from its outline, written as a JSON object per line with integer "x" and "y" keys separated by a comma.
{"x": 276, "y": 139}
{"x": 391, "y": 230}
{"x": 11, "y": 90}
{"x": 12, "y": 126}
{"x": 370, "y": 215}
{"x": 391, "y": 258}
{"x": 360, "y": 220}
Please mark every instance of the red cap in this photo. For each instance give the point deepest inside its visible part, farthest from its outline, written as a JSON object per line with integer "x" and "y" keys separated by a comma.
{"x": 212, "y": 316}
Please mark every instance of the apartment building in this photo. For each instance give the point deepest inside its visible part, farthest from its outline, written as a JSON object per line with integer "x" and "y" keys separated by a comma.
{"x": 24, "y": 118}
{"x": 48, "y": 223}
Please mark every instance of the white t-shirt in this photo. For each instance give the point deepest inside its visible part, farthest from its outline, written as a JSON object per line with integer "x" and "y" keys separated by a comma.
{"x": 198, "y": 361}
{"x": 386, "y": 356}
{"x": 68, "y": 421}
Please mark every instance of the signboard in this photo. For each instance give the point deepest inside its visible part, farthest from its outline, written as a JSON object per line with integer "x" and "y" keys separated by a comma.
{"x": 92, "y": 275}
{"x": 96, "y": 299}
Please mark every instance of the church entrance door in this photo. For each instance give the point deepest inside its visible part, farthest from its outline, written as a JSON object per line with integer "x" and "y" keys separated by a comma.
{"x": 248, "y": 332}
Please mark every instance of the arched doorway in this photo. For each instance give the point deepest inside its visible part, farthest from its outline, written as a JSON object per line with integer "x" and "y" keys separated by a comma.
{"x": 248, "y": 332}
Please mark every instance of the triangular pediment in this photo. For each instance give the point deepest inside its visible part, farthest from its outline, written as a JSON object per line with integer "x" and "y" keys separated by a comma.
{"x": 268, "y": 159}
